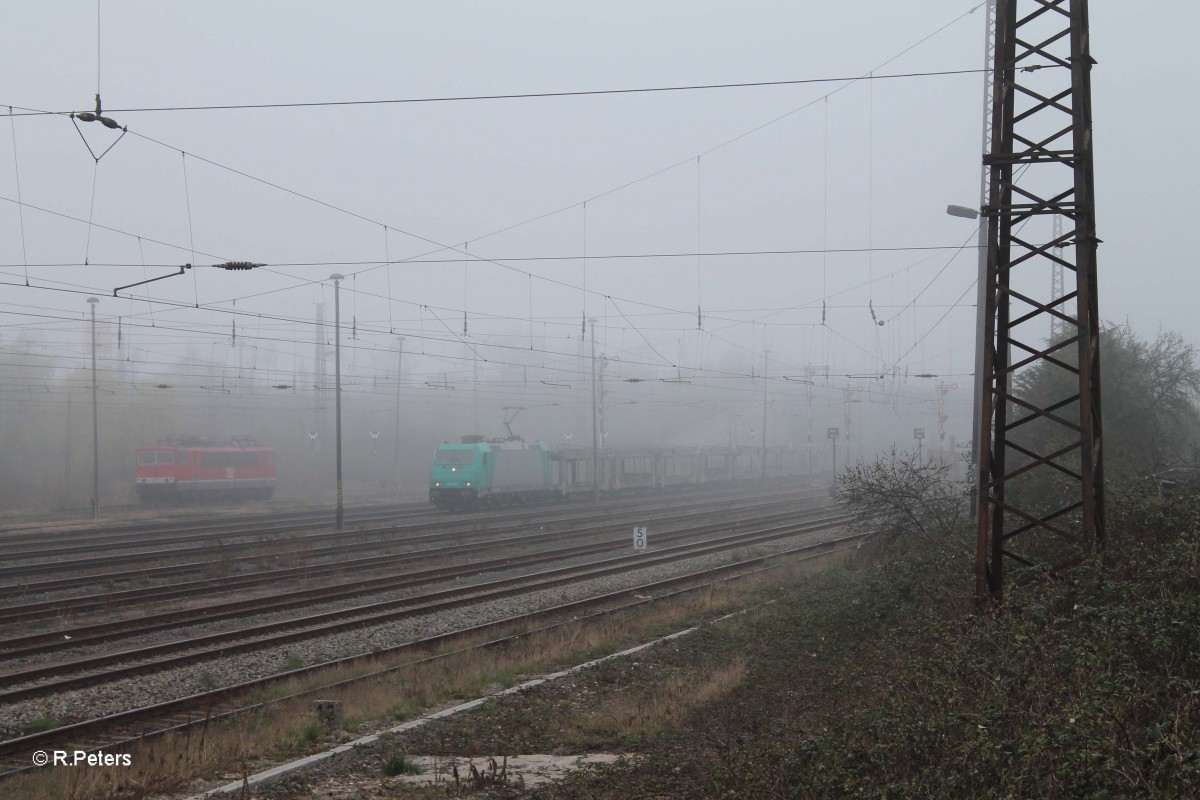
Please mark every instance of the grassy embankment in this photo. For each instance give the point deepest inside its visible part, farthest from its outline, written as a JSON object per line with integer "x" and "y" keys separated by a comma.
{"x": 227, "y": 751}
{"x": 881, "y": 682}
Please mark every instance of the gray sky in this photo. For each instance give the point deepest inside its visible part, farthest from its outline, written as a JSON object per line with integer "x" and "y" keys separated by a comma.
{"x": 871, "y": 166}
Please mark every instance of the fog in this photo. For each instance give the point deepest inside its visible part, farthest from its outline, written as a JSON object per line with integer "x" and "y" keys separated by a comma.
{"x": 713, "y": 235}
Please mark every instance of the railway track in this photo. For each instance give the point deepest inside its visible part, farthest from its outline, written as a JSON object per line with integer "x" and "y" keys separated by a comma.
{"x": 39, "y": 534}
{"x": 43, "y": 553}
{"x": 62, "y": 675}
{"x": 65, "y": 636}
{"x": 28, "y": 544}
{"x": 266, "y": 548}
{"x": 172, "y": 536}
{"x": 123, "y": 730}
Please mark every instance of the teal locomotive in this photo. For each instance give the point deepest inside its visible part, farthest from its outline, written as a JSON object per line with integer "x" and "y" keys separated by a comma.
{"x": 475, "y": 473}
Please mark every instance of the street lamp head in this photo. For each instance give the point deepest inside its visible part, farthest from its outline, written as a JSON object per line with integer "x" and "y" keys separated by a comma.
{"x": 93, "y": 300}
{"x": 337, "y": 276}
{"x": 962, "y": 211}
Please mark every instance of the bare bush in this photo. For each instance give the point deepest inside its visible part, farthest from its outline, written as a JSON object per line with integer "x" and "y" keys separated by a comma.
{"x": 897, "y": 494}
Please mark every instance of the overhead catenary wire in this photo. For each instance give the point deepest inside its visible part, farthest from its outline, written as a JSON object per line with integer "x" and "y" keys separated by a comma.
{"x": 367, "y": 384}
{"x": 958, "y": 251}
{"x": 848, "y": 82}
{"x": 146, "y": 282}
{"x": 583, "y": 267}
{"x": 387, "y": 254}
{"x": 1016, "y": 179}
{"x": 699, "y": 249}
{"x": 110, "y": 229}
{"x": 665, "y": 360}
{"x": 659, "y": 310}
{"x": 567, "y": 355}
{"x": 529, "y": 277}
{"x": 723, "y": 144}
{"x": 825, "y": 206}
{"x": 20, "y": 205}
{"x": 576, "y": 371}
{"x": 191, "y": 235}
{"x": 91, "y": 211}
{"x": 577, "y": 257}
{"x": 524, "y": 95}
{"x": 382, "y": 348}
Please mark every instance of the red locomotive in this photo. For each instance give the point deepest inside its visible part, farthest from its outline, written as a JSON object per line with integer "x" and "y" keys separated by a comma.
{"x": 194, "y": 468}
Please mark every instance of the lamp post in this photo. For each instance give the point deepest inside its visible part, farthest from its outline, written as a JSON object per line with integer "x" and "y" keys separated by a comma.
{"x": 92, "y": 301}
{"x": 337, "y": 278}
{"x": 595, "y": 435}
{"x": 766, "y": 353}
{"x": 977, "y": 422}
{"x": 833, "y": 433}
{"x": 399, "y": 367}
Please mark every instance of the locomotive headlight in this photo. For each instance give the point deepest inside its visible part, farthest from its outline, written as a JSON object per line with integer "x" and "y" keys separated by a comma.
{"x": 468, "y": 483}
{"x": 454, "y": 469}
{"x": 437, "y": 483}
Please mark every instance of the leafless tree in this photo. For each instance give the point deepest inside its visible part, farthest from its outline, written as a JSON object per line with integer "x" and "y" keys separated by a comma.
{"x": 898, "y": 495}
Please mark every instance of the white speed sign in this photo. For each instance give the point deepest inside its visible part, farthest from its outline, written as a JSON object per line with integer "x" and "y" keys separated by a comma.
{"x": 639, "y": 538}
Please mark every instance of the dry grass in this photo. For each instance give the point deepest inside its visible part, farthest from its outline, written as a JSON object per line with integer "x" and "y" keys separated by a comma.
{"x": 227, "y": 750}
{"x": 650, "y": 709}
{"x": 221, "y": 563}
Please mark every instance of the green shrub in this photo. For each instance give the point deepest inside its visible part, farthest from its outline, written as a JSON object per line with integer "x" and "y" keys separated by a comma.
{"x": 397, "y": 763}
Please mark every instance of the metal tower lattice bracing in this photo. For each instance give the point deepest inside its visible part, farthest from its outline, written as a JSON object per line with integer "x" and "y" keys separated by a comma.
{"x": 1057, "y": 286}
{"x": 1041, "y": 497}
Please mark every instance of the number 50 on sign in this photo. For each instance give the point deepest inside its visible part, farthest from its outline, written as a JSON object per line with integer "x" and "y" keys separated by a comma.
{"x": 639, "y": 538}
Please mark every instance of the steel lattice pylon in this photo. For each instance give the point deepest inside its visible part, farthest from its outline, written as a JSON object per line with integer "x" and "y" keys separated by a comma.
{"x": 1057, "y": 287}
{"x": 1041, "y": 499}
